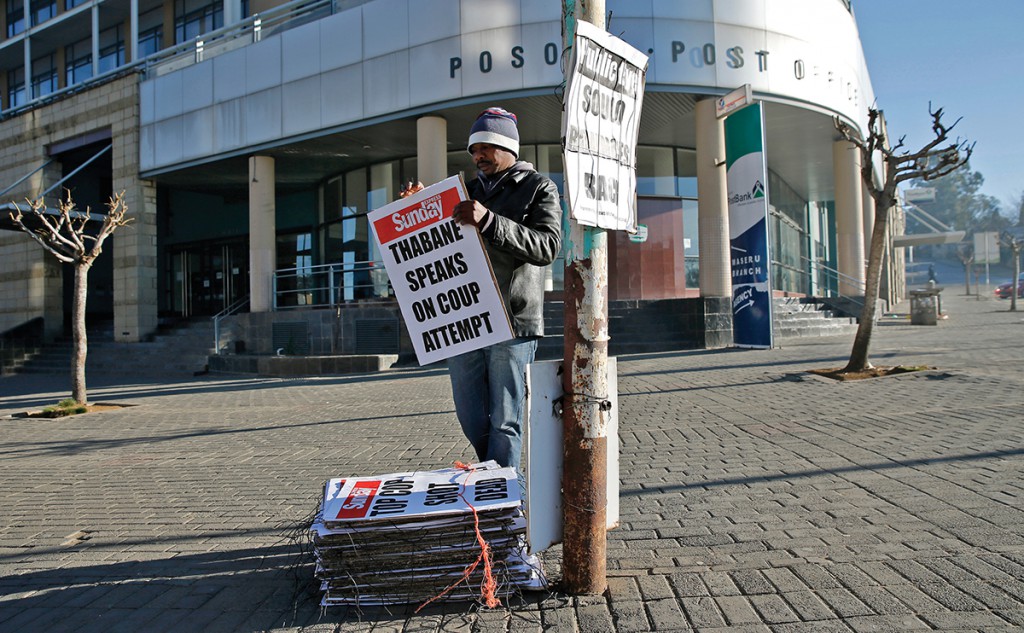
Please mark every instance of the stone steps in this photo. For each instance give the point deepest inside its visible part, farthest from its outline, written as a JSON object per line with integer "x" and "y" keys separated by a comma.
{"x": 181, "y": 352}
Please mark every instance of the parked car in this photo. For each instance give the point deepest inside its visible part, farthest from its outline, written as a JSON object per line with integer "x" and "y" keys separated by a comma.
{"x": 1003, "y": 290}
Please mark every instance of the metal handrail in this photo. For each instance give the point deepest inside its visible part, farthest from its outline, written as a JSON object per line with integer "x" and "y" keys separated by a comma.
{"x": 324, "y": 285}
{"x": 853, "y": 281}
{"x": 223, "y": 314}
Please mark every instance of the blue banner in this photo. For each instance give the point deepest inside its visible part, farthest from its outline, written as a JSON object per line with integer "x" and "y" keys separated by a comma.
{"x": 747, "y": 177}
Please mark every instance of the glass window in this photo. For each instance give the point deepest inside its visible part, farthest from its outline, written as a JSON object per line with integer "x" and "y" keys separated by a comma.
{"x": 71, "y": 4}
{"x": 42, "y": 10}
{"x": 15, "y": 17}
{"x": 192, "y": 18}
{"x": 44, "y": 75}
{"x": 16, "y": 87}
{"x": 111, "y": 49}
{"x": 150, "y": 41}
{"x": 78, "y": 66}
{"x": 686, "y": 173}
{"x": 655, "y": 171}
{"x": 151, "y": 32}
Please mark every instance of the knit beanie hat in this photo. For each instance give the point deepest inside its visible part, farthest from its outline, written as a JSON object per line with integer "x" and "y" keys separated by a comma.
{"x": 495, "y": 126}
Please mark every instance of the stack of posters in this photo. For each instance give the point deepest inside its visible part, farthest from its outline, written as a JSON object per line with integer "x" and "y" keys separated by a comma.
{"x": 412, "y": 537}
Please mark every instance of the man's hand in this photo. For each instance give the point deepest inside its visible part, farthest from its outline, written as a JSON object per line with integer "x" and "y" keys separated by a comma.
{"x": 410, "y": 188}
{"x": 470, "y": 212}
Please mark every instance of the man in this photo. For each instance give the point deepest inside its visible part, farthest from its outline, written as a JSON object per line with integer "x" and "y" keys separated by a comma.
{"x": 518, "y": 213}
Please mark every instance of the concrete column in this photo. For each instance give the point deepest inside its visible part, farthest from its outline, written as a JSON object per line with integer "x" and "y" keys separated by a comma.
{"x": 232, "y": 12}
{"x": 431, "y": 149}
{"x": 713, "y": 205}
{"x": 135, "y": 261}
{"x": 262, "y": 233}
{"x": 869, "y": 220}
{"x": 849, "y": 217}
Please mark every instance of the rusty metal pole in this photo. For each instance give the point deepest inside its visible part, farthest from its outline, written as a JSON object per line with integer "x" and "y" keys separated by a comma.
{"x": 585, "y": 383}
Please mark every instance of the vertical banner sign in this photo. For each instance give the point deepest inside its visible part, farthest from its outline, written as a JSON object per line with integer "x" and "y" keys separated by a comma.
{"x": 604, "y": 94}
{"x": 747, "y": 177}
{"x": 441, "y": 274}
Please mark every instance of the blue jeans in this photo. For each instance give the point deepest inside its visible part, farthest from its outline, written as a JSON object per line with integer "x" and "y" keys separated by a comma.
{"x": 489, "y": 387}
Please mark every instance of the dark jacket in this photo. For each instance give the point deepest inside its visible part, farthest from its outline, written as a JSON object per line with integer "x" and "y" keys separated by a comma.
{"x": 525, "y": 236}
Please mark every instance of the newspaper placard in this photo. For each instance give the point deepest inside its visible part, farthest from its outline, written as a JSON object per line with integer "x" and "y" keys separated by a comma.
{"x": 603, "y": 99}
{"x": 440, "y": 272}
{"x": 419, "y": 494}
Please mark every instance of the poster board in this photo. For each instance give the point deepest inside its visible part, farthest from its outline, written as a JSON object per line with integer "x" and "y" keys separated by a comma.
{"x": 747, "y": 182}
{"x": 440, "y": 273}
{"x": 603, "y": 98}
{"x": 544, "y": 456}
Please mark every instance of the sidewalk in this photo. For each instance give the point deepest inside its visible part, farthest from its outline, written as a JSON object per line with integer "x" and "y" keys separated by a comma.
{"x": 754, "y": 497}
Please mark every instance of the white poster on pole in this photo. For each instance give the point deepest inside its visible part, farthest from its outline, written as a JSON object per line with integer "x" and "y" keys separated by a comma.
{"x": 544, "y": 456}
{"x": 603, "y": 98}
{"x": 440, "y": 273}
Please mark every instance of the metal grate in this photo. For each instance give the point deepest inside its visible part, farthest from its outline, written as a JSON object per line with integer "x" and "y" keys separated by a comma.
{"x": 291, "y": 339}
{"x": 377, "y": 336}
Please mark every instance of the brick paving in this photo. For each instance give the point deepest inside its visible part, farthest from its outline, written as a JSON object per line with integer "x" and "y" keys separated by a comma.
{"x": 754, "y": 497}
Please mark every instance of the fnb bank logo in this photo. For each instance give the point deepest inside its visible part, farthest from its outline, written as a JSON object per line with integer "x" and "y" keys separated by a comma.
{"x": 756, "y": 192}
{"x": 416, "y": 216}
{"x": 357, "y": 504}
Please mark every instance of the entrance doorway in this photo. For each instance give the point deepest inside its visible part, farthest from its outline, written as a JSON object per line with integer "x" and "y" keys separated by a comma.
{"x": 208, "y": 278}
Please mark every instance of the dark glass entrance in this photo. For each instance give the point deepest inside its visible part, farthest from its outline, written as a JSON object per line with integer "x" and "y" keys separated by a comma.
{"x": 208, "y": 278}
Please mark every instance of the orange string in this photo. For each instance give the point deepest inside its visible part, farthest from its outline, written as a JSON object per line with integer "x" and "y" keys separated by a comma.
{"x": 489, "y": 586}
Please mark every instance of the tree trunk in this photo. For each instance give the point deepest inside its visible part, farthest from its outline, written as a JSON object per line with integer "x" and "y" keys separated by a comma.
{"x": 1015, "y": 249}
{"x": 81, "y": 344}
{"x": 861, "y": 342}
{"x": 967, "y": 278}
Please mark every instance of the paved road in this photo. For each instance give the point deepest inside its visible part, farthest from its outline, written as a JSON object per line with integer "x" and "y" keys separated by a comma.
{"x": 753, "y": 496}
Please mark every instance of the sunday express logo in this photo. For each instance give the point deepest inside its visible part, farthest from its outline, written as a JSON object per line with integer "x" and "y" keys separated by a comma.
{"x": 420, "y": 215}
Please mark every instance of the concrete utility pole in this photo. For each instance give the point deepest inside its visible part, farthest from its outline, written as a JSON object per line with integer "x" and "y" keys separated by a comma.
{"x": 585, "y": 383}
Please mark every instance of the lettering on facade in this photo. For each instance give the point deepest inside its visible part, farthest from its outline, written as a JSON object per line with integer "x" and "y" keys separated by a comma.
{"x": 605, "y": 70}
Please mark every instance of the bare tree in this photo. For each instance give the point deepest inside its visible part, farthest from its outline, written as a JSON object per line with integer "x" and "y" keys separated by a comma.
{"x": 936, "y": 159}
{"x": 965, "y": 253}
{"x": 65, "y": 235}
{"x": 1015, "y": 243}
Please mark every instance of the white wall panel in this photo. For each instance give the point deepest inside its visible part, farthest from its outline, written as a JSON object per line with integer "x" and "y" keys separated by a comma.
{"x": 736, "y": 59}
{"x": 385, "y": 27}
{"x": 533, "y": 11}
{"x": 487, "y": 59}
{"x": 167, "y": 140}
{"x": 679, "y": 50}
{"x": 429, "y": 75}
{"x": 386, "y": 83}
{"x": 147, "y": 102}
{"x": 300, "y": 52}
{"x": 147, "y": 147}
{"x": 432, "y": 20}
{"x": 197, "y": 127}
{"x": 341, "y": 93}
{"x": 750, "y": 13}
{"x": 263, "y": 65}
{"x": 341, "y": 39}
{"x": 198, "y": 78}
{"x": 263, "y": 116}
{"x": 169, "y": 97}
{"x": 300, "y": 101}
{"x": 542, "y": 43}
{"x": 666, "y": 9}
{"x": 228, "y": 74}
{"x": 228, "y": 125}
{"x": 491, "y": 14}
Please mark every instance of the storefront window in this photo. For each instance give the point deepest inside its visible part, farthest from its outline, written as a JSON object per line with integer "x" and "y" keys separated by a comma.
{"x": 788, "y": 230}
